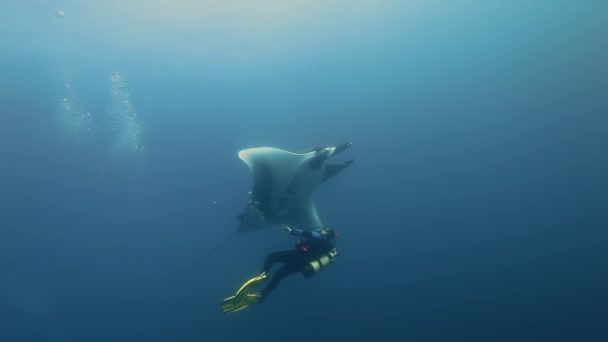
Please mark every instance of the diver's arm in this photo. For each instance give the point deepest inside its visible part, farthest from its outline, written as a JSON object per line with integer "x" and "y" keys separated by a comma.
{"x": 305, "y": 233}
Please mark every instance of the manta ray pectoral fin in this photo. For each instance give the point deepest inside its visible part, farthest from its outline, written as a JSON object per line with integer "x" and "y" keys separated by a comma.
{"x": 332, "y": 169}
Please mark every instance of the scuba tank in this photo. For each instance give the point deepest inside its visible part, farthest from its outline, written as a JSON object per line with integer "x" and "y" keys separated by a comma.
{"x": 320, "y": 263}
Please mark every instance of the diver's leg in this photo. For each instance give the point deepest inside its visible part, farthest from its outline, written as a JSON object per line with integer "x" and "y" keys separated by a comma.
{"x": 287, "y": 270}
{"x": 280, "y": 256}
{"x": 294, "y": 260}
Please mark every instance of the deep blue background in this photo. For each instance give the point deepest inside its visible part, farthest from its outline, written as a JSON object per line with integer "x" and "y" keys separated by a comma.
{"x": 476, "y": 209}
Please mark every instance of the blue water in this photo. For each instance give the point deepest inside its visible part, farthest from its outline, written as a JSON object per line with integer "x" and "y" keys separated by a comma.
{"x": 476, "y": 209}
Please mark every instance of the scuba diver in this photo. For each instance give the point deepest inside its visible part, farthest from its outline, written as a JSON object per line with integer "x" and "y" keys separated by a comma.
{"x": 310, "y": 255}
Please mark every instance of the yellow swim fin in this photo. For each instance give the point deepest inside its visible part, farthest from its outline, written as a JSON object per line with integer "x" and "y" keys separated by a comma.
{"x": 243, "y": 297}
{"x": 233, "y": 304}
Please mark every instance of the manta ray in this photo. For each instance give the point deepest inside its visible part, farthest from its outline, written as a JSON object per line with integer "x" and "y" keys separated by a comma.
{"x": 283, "y": 186}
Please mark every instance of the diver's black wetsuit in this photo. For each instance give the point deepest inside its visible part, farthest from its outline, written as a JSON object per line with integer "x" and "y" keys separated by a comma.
{"x": 313, "y": 246}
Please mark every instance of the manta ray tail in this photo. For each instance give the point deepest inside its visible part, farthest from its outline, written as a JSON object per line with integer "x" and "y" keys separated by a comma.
{"x": 223, "y": 242}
